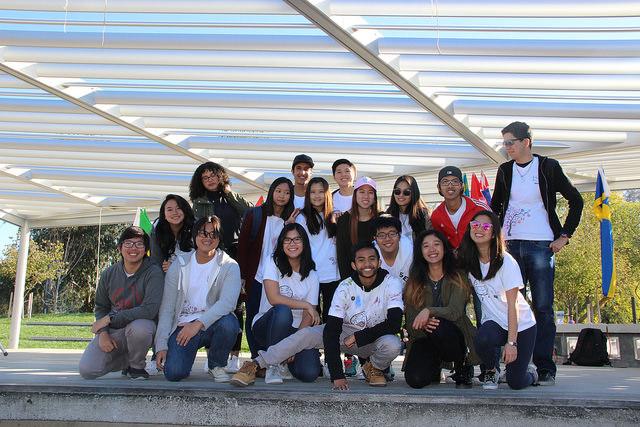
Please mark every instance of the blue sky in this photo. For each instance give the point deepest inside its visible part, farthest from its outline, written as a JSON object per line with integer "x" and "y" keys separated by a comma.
{"x": 8, "y": 233}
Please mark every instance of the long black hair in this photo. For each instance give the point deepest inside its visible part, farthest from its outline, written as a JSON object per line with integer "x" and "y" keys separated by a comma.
{"x": 197, "y": 189}
{"x": 417, "y": 210}
{"x": 316, "y": 221}
{"x": 163, "y": 233}
{"x": 469, "y": 256}
{"x": 268, "y": 204}
{"x": 282, "y": 260}
{"x": 419, "y": 271}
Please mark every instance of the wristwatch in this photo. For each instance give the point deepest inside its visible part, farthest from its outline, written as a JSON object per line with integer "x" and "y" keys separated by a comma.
{"x": 512, "y": 343}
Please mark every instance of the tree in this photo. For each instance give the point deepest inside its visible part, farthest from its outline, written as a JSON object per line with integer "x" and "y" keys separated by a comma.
{"x": 44, "y": 263}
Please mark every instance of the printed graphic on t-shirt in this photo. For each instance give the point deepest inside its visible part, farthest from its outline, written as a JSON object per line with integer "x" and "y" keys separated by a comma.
{"x": 286, "y": 291}
{"x": 514, "y": 217}
{"x": 359, "y": 320}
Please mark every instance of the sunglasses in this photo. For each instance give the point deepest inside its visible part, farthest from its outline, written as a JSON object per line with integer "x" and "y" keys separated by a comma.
{"x": 405, "y": 192}
{"x": 484, "y": 225}
{"x": 510, "y": 142}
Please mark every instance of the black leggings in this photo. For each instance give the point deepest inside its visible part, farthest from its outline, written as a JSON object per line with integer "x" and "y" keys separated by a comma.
{"x": 444, "y": 344}
{"x": 239, "y": 312}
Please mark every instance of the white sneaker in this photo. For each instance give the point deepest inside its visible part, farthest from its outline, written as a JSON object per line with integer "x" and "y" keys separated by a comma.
{"x": 285, "y": 373}
{"x": 325, "y": 371}
{"x": 360, "y": 374}
{"x": 219, "y": 375}
{"x": 233, "y": 365}
{"x": 272, "y": 376}
{"x": 490, "y": 381}
{"x": 502, "y": 378}
{"x": 152, "y": 368}
{"x": 531, "y": 368}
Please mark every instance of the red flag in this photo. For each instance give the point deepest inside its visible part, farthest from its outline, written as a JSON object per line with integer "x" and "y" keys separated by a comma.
{"x": 476, "y": 188}
{"x": 260, "y": 201}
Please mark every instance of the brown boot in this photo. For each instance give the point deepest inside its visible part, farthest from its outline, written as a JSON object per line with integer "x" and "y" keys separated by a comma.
{"x": 374, "y": 376}
{"x": 246, "y": 375}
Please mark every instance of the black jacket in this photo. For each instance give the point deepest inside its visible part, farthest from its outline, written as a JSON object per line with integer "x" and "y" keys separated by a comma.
{"x": 552, "y": 180}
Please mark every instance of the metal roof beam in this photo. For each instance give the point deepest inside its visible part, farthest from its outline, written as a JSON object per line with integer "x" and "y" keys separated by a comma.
{"x": 11, "y": 218}
{"x": 324, "y": 22}
{"x": 25, "y": 74}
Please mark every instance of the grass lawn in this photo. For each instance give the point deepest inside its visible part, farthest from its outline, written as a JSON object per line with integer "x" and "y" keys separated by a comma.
{"x": 26, "y": 331}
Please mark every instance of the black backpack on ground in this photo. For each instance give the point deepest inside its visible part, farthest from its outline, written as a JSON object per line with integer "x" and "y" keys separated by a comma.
{"x": 591, "y": 349}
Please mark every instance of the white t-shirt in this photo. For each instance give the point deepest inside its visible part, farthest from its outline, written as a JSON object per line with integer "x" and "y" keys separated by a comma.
{"x": 298, "y": 201}
{"x": 493, "y": 297}
{"x": 291, "y": 287}
{"x": 366, "y": 309}
{"x": 196, "y": 289}
{"x": 402, "y": 263}
{"x": 406, "y": 226}
{"x": 341, "y": 203}
{"x": 526, "y": 218}
{"x": 323, "y": 252}
{"x": 272, "y": 229}
{"x": 457, "y": 216}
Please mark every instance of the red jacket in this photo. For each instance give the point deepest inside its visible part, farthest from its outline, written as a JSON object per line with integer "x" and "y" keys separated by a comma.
{"x": 440, "y": 220}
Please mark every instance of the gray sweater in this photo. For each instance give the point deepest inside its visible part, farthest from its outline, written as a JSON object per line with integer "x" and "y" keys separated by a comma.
{"x": 129, "y": 298}
{"x": 221, "y": 298}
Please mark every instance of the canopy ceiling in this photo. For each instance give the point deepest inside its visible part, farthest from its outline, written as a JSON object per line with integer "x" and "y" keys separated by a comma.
{"x": 106, "y": 106}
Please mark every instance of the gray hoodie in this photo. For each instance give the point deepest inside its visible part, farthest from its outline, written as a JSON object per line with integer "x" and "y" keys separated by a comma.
{"x": 129, "y": 298}
{"x": 221, "y": 298}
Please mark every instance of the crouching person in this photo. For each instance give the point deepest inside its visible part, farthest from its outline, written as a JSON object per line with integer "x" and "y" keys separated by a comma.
{"x": 364, "y": 319}
{"x": 127, "y": 300}
{"x": 197, "y": 307}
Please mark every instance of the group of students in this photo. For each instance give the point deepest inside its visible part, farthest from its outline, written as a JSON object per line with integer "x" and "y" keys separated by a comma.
{"x": 317, "y": 269}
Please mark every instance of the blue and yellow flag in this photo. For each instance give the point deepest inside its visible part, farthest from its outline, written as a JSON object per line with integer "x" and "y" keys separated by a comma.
{"x": 466, "y": 189}
{"x": 603, "y": 213}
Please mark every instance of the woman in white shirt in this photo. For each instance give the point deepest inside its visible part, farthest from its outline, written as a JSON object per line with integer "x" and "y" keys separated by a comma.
{"x": 408, "y": 207}
{"x": 318, "y": 220}
{"x": 507, "y": 319}
{"x": 289, "y": 300}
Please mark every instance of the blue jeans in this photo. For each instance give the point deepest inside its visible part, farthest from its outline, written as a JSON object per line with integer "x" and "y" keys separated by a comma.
{"x": 537, "y": 265}
{"x": 217, "y": 338}
{"x": 252, "y": 306}
{"x": 491, "y": 336}
{"x": 273, "y": 327}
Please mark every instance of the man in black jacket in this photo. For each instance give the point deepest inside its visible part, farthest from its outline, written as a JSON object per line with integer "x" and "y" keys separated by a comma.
{"x": 364, "y": 320}
{"x": 525, "y": 199}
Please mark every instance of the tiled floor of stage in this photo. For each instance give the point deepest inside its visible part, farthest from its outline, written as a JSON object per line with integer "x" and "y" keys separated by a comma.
{"x": 39, "y": 368}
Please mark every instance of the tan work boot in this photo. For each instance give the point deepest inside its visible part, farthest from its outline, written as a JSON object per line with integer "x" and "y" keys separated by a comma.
{"x": 373, "y": 375}
{"x": 246, "y": 375}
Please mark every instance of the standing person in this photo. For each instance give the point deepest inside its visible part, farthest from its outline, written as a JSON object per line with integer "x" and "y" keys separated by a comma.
{"x": 507, "y": 319}
{"x": 396, "y": 250}
{"x": 288, "y": 304}
{"x": 344, "y": 173}
{"x": 364, "y": 319}
{"x": 452, "y": 216}
{"x": 524, "y": 197}
{"x": 408, "y": 207}
{"x": 302, "y": 171}
{"x": 197, "y": 307}
{"x": 171, "y": 236}
{"x": 127, "y": 301}
{"x": 318, "y": 220}
{"x": 258, "y": 237}
{"x": 356, "y": 225}
{"x": 210, "y": 192}
{"x": 435, "y": 301}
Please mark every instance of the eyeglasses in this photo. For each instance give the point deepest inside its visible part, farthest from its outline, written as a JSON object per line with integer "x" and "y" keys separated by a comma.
{"x": 129, "y": 244}
{"x": 484, "y": 225}
{"x": 209, "y": 177}
{"x": 405, "y": 192}
{"x": 510, "y": 142}
{"x": 389, "y": 235}
{"x": 289, "y": 240}
{"x": 450, "y": 183}
{"x": 209, "y": 234}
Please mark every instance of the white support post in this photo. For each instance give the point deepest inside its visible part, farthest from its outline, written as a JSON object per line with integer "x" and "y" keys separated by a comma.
{"x": 21, "y": 275}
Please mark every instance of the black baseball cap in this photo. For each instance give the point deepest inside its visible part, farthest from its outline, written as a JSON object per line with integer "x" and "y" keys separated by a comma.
{"x": 449, "y": 171}
{"x": 302, "y": 158}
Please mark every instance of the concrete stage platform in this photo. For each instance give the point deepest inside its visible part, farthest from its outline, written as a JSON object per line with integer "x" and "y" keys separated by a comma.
{"x": 45, "y": 386}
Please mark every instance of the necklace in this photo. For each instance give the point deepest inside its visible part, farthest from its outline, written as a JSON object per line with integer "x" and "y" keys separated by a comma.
{"x": 523, "y": 176}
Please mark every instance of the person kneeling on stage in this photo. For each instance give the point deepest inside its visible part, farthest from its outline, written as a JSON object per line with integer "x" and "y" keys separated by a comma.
{"x": 364, "y": 320}
{"x": 197, "y": 307}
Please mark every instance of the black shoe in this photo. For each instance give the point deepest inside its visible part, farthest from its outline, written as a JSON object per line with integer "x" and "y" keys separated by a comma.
{"x": 546, "y": 378}
{"x": 463, "y": 375}
{"x": 138, "y": 374}
{"x": 125, "y": 372}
